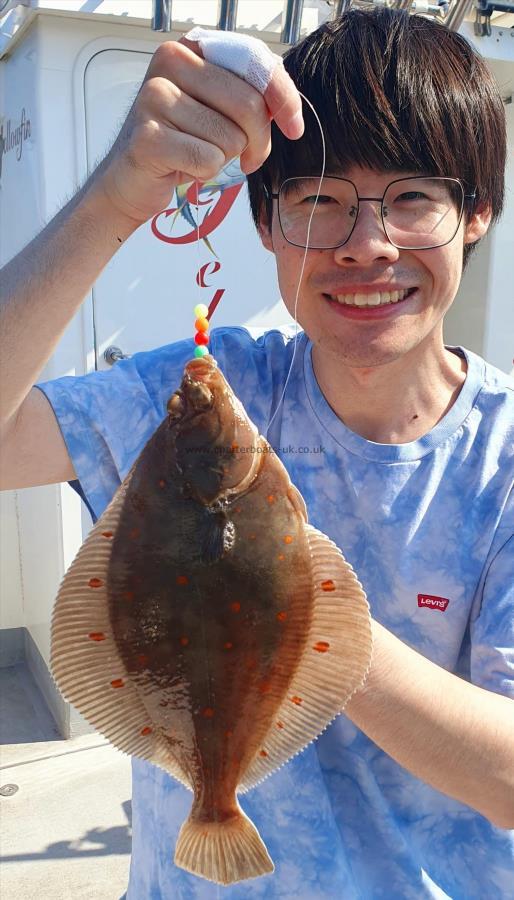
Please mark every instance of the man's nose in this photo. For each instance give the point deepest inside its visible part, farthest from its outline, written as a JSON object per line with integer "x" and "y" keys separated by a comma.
{"x": 368, "y": 240}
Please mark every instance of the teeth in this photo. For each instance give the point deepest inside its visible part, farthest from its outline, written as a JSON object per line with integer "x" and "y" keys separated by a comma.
{"x": 370, "y": 299}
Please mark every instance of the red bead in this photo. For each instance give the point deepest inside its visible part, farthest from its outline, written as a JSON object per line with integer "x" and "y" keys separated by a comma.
{"x": 201, "y": 338}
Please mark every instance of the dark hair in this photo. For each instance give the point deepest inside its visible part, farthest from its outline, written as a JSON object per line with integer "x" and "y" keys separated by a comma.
{"x": 393, "y": 91}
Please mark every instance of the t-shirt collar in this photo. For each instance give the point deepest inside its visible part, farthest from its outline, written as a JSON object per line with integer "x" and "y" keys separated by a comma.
{"x": 390, "y": 453}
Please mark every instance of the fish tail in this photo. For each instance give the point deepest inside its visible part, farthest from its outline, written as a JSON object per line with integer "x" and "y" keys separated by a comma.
{"x": 223, "y": 852}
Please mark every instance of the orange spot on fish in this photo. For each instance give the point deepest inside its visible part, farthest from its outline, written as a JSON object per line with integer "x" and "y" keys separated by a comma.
{"x": 280, "y": 725}
{"x": 234, "y": 446}
{"x": 252, "y": 536}
{"x": 288, "y": 539}
{"x": 184, "y": 641}
{"x": 237, "y": 509}
{"x": 282, "y": 616}
{"x": 265, "y": 687}
{"x": 281, "y": 556}
{"x": 182, "y": 579}
{"x": 146, "y": 730}
{"x": 235, "y": 607}
{"x": 208, "y": 712}
{"x": 142, "y": 659}
{"x": 262, "y": 753}
{"x": 271, "y": 498}
{"x": 229, "y": 733}
{"x": 107, "y": 534}
{"x": 321, "y": 646}
{"x": 162, "y": 483}
{"x": 297, "y": 700}
{"x": 97, "y": 636}
{"x": 128, "y": 595}
{"x": 95, "y": 582}
{"x": 134, "y": 534}
{"x": 328, "y": 585}
{"x": 228, "y": 646}
{"x": 117, "y": 683}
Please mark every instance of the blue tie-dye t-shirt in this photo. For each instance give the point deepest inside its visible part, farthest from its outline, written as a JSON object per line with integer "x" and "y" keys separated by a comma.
{"x": 428, "y": 527}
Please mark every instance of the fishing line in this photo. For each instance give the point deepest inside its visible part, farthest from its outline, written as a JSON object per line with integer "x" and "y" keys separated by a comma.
{"x": 323, "y": 166}
{"x": 302, "y": 268}
{"x": 197, "y": 220}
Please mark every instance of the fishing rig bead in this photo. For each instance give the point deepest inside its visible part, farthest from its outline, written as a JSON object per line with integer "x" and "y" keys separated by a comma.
{"x": 201, "y": 312}
{"x": 202, "y": 324}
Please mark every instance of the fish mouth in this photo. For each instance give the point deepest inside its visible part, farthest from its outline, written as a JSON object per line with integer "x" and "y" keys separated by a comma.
{"x": 201, "y": 367}
{"x": 195, "y": 394}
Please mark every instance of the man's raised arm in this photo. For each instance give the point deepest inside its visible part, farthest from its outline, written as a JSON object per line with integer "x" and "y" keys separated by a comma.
{"x": 188, "y": 120}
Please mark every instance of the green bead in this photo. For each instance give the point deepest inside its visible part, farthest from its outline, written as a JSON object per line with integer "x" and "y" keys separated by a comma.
{"x": 201, "y": 351}
{"x": 201, "y": 311}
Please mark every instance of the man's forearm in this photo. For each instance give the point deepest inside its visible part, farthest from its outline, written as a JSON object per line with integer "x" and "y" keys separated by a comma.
{"x": 44, "y": 285}
{"x": 453, "y": 735}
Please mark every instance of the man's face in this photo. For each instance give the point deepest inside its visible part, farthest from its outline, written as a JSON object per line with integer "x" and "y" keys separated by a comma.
{"x": 369, "y": 264}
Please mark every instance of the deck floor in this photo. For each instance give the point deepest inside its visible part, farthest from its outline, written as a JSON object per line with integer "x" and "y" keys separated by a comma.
{"x": 66, "y": 825}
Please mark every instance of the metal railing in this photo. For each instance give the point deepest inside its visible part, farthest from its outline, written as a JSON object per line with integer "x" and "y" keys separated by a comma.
{"x": 161, "y": 15}
{"x": 451, "y": 12}
{"x": 227, "y": 18}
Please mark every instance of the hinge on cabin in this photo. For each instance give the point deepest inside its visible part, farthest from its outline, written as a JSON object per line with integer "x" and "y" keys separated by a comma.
{"x": 113, "y": 354}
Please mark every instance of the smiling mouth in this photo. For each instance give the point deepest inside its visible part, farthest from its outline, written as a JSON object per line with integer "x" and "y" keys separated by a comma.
{"x": 384, "y": 298}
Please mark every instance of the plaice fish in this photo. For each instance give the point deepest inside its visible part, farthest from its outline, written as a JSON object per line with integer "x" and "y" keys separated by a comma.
{"x": 205, "y": 626}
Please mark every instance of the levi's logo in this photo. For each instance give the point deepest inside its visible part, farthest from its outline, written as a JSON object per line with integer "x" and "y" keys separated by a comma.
{"x": 433, "y": 602}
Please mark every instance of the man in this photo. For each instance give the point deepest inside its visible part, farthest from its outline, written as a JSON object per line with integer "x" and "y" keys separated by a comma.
{"x": 410, "y": 794}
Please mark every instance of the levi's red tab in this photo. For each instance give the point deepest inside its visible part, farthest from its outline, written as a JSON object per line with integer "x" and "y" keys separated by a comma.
{"x": 433, "y": 602}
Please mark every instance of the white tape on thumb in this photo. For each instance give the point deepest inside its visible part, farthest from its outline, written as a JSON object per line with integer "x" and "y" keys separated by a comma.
{"x": 245, "y": 56}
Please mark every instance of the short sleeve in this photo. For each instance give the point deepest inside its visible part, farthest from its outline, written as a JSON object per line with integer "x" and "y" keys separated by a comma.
{"x": 106, "y": 418}
{"x": 492, "y": 631}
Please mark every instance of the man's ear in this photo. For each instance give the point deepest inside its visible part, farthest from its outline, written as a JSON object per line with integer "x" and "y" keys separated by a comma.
{"x": 478, "y": 223}
{"x": 265, "y": 231}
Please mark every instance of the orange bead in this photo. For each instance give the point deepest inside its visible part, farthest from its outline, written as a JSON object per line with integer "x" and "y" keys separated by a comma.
{"x": 202, "y": 324}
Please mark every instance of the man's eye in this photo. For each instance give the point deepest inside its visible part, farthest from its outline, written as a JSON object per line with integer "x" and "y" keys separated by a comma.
{"x": 323, "y": 198}
{"x": 412, "y": 195}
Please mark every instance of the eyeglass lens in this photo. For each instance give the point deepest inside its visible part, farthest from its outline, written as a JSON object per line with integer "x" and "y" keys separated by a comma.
{"x": 417, "y": 213}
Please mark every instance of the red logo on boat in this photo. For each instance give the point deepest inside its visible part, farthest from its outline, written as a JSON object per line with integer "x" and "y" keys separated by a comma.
{"x": 433, "y": 602}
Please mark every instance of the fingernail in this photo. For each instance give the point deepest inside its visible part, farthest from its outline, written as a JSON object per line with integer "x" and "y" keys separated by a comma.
{"x": 295, "y": 126}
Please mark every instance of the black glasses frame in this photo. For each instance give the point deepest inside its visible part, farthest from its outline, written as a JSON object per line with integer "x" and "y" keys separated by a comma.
{"x": 472, "y": 196}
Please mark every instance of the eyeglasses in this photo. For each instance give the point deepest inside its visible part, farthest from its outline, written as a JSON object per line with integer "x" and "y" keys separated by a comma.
{"x": 418, "y": 213}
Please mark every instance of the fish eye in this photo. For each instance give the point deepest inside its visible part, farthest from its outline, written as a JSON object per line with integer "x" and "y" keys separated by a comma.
{"x": 175, "y": 405}
{"x": 199, "y": 395}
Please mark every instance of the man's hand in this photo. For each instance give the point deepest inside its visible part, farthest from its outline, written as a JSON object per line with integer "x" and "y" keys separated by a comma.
{"x": 188, "y": 120}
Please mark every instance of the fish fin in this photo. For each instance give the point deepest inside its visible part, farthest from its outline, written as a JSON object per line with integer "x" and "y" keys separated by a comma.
{"x": 223, "y": 852}
{"x": 85, "y": 661}
{"x": 334, "y": 662}
{"x": 298, "y": 502}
